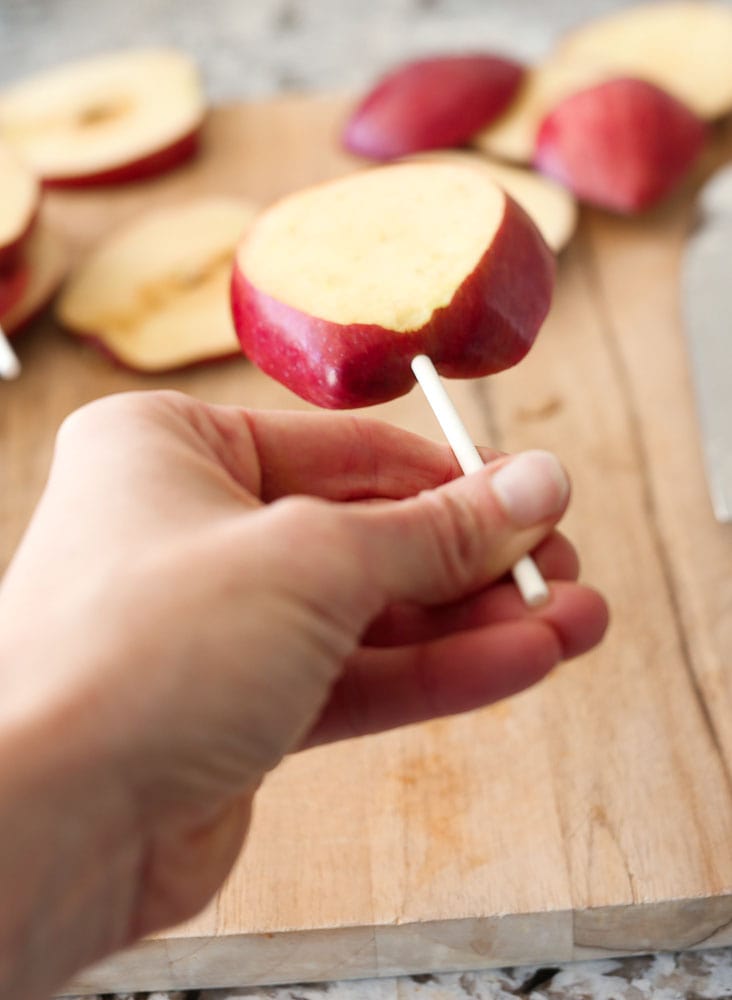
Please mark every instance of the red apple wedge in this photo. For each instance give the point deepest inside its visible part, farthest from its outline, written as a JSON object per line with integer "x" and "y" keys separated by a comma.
{"x": 623, "y": 145}
{"x": 110, "y": 118}
{"x": 337, "y": 288}
{"x": 27, "y": 290}
{"x": 512, "y": 136}
{"x": 154, "y": 296}
{"x": 431, "y": 103}
{"x": 19, "y": 200}
{"x": 552, "y": 208}
{"x": 683, "y": 47}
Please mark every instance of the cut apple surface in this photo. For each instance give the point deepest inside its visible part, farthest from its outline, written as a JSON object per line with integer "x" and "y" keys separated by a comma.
{"x": 19, "y": 199}
{"x": 431, "y": 103}
{"x": 155, "y": 296}
{"x": 110, "y": 118}
{"x": 551, "y": 206}
{"x": 512, "y": 136}
{"x": 337, "y": 288}
{"x": 623, "y": 145}
{"x": 682, "y": 47}
{"x": 36, "y": 280}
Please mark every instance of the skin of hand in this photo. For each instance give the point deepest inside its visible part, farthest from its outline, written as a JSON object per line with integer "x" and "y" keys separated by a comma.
{"x": 203, "y": 590}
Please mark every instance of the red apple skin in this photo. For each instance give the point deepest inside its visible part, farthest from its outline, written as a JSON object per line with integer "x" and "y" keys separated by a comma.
{"x": 432, "y": 103}
{"x": 623, "y": 145}
{"x": 12, "y": 288}
{"x": 159, "y": 162}
{"x": 490, "y": 324}
{"x": 11, "y": 254}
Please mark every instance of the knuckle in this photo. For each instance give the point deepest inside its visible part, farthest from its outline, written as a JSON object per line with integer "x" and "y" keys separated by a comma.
{"x": 458, "y": 537}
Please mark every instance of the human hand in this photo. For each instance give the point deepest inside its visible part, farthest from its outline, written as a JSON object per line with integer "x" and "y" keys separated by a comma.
{"x": 222, "y": 587}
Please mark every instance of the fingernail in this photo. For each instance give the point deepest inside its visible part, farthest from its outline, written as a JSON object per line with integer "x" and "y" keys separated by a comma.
{"x": 531, "y": 487}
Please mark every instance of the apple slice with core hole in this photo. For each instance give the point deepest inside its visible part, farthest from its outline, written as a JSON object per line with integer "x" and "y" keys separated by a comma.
{"x": 513, "y": 135}
{"x": 337, "y": 288}
{"x": 623, "y": 145}
{"x": 551, "y": 206}
{"x": 155, "y": 295}
{"x": 431, "y": 103}
{"x": 110, "y": 118}
{"x": 682, "y": 47}
{"x": 19, "y": 199}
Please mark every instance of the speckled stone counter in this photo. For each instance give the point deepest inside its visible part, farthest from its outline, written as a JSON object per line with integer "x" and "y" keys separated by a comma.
{"x": 250, "y": 48}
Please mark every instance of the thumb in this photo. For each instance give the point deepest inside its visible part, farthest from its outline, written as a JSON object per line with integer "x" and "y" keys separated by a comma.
{"x": 453, "y": 540}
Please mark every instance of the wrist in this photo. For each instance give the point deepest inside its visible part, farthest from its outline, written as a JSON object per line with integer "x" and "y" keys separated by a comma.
{"x": 70, "y": 852}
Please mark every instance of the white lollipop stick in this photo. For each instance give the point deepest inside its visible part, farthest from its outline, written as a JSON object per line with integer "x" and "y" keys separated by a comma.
{"x": 526, "y": 573}
{"x": 9, "y": 363}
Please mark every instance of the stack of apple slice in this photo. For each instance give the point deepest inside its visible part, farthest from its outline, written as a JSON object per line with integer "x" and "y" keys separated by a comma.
{"x": 155, "y": 295}
{"x": 617, "y": 114}
{"x": 111, "y": 118}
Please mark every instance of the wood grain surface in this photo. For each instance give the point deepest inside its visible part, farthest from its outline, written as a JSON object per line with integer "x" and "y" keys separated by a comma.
{"x": 590, "y": 816}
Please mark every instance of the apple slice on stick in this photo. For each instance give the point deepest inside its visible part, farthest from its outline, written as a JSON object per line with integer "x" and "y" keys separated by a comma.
{"x": 9, "y": 362}
{"x": 682, "y": 47}
{"x": 106, "y": 119}
{"x": 154, "y": 296}
{"x": 339, "y": 289}
{"x": 19, "y": 199}
{"x": 552, "y": 207}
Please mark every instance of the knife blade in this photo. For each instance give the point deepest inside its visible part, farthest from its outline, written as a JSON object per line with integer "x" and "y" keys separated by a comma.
{"x": 707, "y": 305}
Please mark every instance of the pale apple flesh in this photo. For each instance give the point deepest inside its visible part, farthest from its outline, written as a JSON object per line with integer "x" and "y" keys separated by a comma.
{"x": 19, "y": 200}
{"x": 552, "y": 207}
{"x": 337, "y": 288}
{"x": 624, "y": 145}
{"x": 431, "y": 103}
{"x": 110, "y": 117}
{"x": 683, "y": 47}
{"x": 35, "y": 280}
{"x": 154, "y": 296}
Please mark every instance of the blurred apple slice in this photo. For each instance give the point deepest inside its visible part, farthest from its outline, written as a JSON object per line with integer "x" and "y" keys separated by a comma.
{"x": 551, "y": 206}
{"x": 431, "y": 103}
{"x": 19, "y": 198}
{"x": 27, "y": 290}
{"x": 513, "y": 135}
{"x": 682, "y": 47}
{"x": 623, "y": 145}
{"x": 110, "y": 118}
{"x": 155, "y": 295}
{"x": 337, "y": 288}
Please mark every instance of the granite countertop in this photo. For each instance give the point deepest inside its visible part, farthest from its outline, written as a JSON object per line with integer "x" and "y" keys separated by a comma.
{"x": 251, "y": 48}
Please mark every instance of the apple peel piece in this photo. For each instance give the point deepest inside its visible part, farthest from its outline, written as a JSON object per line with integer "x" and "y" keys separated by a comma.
{"x": 337, "y": 288}
{"x": 683, "y": 47}
{"x": 431, "y": 103}
{"x": 21, "y": 194}
{"x": 154, "y": 296}
{"x": 110, "y": 118}
{"x": 552, "y": 207}
{"x": 623, "y": 145}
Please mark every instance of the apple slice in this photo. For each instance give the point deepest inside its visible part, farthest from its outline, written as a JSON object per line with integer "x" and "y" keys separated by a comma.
{"x": 155, "y": 295}
{"x": 106, "y": 119}
{"x": 337, "y": 288}
{"x": 682, "y": 47}
{"x": 34, "y": 281}
{"x": 18, "y": 206}
{"x": 551, "y": 206}
{"x": 623, "y": 145}
{"x": 513, "y": 136}
{"x": 431, "y": 103}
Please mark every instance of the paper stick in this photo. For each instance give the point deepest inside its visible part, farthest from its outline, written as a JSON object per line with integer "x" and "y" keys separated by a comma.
{"x": 9, "y": 363}
{"x": 526, "y": 573}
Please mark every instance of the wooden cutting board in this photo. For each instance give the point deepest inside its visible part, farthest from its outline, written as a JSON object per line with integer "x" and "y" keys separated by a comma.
{"x": 591, "y": 816}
